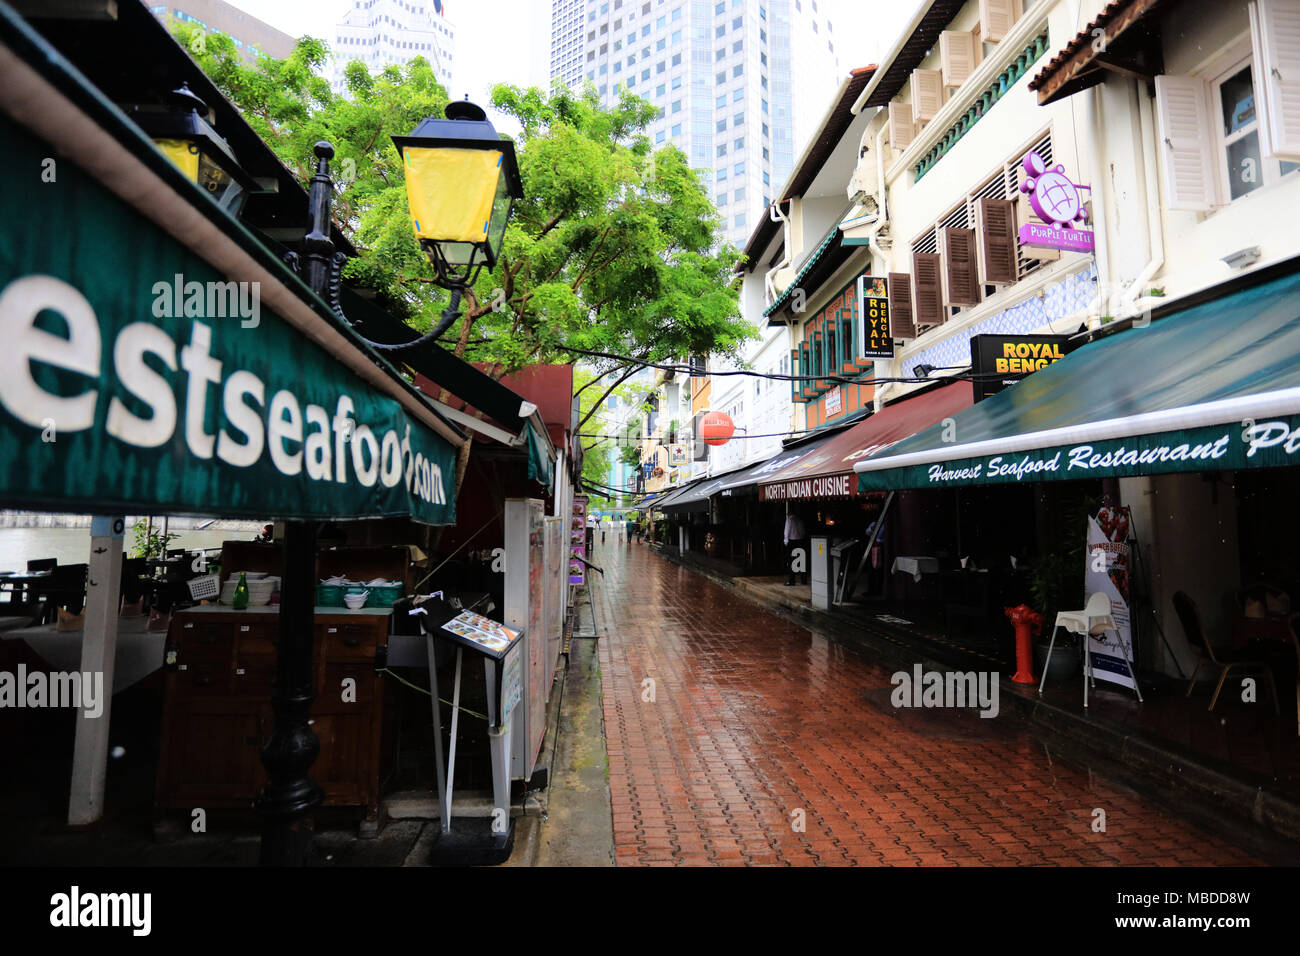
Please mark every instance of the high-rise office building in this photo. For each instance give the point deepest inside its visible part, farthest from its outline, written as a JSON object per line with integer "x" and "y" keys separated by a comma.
{"x": 740, "y": 84}
{"x": 379, "y": 32}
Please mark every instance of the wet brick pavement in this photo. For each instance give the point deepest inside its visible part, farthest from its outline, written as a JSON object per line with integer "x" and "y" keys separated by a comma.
{"x": 755, "y": 718}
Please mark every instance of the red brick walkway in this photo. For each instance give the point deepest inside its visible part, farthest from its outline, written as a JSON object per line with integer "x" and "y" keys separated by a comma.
{"x": 755, "y": 718}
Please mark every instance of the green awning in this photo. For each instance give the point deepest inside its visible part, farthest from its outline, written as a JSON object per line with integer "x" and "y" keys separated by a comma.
{"x": 828, "y": 240}
{"x": 156, "y": 358}
{"x": 1210, "y": 388}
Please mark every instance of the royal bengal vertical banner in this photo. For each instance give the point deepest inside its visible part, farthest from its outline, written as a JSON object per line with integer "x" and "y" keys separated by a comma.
{"x": 1108, "y": 557}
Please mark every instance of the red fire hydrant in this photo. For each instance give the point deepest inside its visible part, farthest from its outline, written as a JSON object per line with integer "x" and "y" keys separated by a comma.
{"x": 1028, "y": 624}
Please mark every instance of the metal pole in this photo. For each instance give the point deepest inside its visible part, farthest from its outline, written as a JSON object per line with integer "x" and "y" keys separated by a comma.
{"x": 451, "y": 746}
{"x": 866, "y": 552}
{"x": 290, "y": 794}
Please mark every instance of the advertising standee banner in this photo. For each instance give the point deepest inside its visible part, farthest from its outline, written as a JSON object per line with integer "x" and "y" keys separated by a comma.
{"x": 1107, "y": 571}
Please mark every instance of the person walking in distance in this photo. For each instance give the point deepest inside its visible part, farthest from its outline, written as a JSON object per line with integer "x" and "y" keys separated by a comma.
{"x": 796, "y": 554}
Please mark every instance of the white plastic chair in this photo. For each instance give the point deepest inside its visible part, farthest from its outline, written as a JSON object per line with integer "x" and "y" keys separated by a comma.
{"x": 1094, "y": 619}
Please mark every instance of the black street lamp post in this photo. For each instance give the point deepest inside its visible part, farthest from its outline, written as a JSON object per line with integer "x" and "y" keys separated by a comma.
{"x": 462, "y": 180}
{"x": 290, "y": 793}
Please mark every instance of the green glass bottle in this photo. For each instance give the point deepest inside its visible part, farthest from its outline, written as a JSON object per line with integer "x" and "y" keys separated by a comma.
{"x": 240, "y": 599}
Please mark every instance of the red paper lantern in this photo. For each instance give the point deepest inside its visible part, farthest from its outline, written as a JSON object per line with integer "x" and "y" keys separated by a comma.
{"x": 716, "y": 428}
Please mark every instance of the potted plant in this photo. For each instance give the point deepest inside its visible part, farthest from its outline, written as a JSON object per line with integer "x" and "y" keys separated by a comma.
{"x": 1057, "y": 584}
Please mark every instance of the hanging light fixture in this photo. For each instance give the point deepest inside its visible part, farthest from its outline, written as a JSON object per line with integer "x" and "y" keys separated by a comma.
{"x": 462, "y": 180}
{"x": 182, "y": 129}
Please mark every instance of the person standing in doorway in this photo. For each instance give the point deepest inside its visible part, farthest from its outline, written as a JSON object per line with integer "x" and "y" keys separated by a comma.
{"x": 796, "y": 548}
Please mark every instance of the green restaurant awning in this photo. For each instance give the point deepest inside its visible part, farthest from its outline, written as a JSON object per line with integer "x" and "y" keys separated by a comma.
{"x": 155, "y": 357}
{"x": 1213, "y": 387}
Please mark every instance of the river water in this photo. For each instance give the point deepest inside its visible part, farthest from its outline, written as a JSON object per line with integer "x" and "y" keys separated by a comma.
{"x": 72, "y": 545}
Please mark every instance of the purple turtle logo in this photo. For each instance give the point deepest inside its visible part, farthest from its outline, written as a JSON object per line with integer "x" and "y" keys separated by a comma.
{"x": 1054, "y": 198}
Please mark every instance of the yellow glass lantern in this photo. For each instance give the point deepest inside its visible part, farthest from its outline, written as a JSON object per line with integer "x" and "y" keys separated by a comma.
{"x": 461, "y": 183}
{"x": 183, "y": 131}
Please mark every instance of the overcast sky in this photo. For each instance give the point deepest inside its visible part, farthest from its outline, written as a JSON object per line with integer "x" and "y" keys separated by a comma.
{"x": 508, "y": 41}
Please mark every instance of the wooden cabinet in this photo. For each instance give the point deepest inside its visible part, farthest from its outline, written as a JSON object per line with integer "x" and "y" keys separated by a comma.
{"x": 217, "y": 710}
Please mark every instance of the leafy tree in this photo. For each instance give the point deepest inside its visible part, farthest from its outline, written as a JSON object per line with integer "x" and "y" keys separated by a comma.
{"x": 612, "y": 251}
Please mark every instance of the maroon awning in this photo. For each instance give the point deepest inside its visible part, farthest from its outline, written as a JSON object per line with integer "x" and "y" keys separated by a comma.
{"x": 828, "y": 471}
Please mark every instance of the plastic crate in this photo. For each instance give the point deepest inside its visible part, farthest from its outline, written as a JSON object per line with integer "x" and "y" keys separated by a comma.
{"x": 206, "y": 587}
{"x": 329, "y": 595}
{"x": 384, "y": 596}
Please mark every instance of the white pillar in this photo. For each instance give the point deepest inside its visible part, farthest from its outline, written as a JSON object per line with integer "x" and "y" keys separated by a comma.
{"x": 98, "y": 652}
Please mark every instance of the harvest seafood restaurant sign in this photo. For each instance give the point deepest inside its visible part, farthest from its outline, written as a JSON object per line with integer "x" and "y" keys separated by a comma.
{"x": 1225, "y": 447}
{"x": 112, "y": 402}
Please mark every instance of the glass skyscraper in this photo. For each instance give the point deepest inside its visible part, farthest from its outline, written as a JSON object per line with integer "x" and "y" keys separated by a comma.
{"x": 739, "y": 84}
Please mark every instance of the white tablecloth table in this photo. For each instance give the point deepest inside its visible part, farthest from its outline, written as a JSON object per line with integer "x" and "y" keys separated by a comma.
{"x": 916, "y": 566}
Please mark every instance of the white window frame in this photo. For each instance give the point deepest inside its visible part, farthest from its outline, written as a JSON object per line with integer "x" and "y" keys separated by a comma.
{"x": 1220, "y": 70}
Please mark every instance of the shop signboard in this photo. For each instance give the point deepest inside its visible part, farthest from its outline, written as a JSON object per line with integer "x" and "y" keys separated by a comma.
{"x": 799, "y": 489}
{"x": 139, "y": 380}
{"x": 1231, "y": 446}
{"x": 875, "y": 338}
{"x": 999, "y": 361}
{"x": 1107, "y": 570}
{"x": 1059, "y": 203}
{"x": 577, "y": 538}
{"x": 678, "y": 455}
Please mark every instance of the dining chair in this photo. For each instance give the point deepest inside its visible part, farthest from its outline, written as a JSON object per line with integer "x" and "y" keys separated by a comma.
{"x": 1190, "y": 618}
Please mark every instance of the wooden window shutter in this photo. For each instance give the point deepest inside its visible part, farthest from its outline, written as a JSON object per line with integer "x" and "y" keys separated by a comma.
{"x": 959, "y": 256}
{"x": 1025, "y": 214}
{"x": 928, "y": 299}
{"x": 998, "y": 226}
{"x": 901, "y": 128}
{"x": 996, "y": 18}
{"x": 957, "y": 56}
{"x": 1185, "y": 131}
{"x": 901, "y": 323}
{"x": 1275, "y": 34}
{"x": 927, "y": 94}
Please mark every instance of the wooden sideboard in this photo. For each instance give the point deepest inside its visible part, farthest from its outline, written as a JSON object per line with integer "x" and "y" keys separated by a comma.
{"x": 217, "y": 707}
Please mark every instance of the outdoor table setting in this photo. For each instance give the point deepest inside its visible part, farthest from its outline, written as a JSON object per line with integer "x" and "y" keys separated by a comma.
{"x": 17, "y": 582}
{"x": 915, "y": 565}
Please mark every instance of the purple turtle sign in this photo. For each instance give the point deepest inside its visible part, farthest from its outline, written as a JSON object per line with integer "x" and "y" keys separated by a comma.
{"x": 1059, "y": 203}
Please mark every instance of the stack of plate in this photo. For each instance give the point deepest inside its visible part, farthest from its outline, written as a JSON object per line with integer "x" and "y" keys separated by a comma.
{"x": 260, "y": 588}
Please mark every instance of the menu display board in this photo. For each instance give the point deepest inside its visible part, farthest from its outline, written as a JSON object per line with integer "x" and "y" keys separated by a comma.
{"x": 577, "y": 533}
{"x": 481, "y": 633}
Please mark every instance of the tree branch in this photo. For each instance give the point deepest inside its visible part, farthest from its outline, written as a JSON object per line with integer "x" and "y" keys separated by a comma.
{"x": 600, "y": 401}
